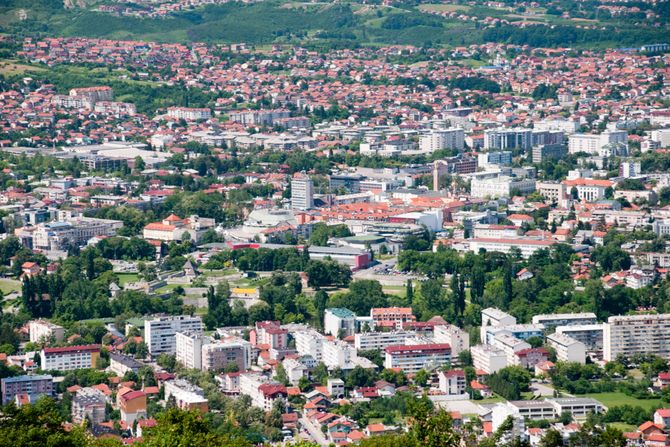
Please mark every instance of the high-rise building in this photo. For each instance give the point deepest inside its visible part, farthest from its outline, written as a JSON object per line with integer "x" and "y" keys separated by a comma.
{"x": 504, "y": 139}
{"x": 302, "y": 192}
{"x": 160, "y": 334}
{"x": 633, "y": 334}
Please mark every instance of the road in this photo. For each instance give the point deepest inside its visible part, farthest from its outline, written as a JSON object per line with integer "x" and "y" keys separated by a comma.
{"x": 314, "y": 432}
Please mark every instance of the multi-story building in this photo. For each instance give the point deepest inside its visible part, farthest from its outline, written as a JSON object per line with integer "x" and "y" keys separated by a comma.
{"x": 439, "y": 139}
{"x": 94, "y": 94}
{"x": 589, "y": 190}
{"x": 259, "y": 117}
{"x": 189, "y": 113}
{"x": 72, "y": 233}
{"x": 186, "y": 395}
{"x": 350, "y": 183}
{"x": 594, "y": 144}
{"x": 32, "y": 386}
{"x": 525, "y": 245}
{"x": 554, "y": 191}
{"x": 589, "y": 334}
{"x": 452, "y": 382}
{"x": 391, "y": 317}
{"x": 520, "y": 331}
{"x": 505, "y": 139}
{"x": 69, "y": 358}
{"x": 45, "y": 331}
{"x": 160, "y": 334}
{"x": 132, "y": 404}
{"x": 501, "y": 186}
{"x": 174, "y": 228}
{"x": 567, "y": 348}
{"x": 302, "y": 192}
{"x": 412, "y": 358}
{"x": 528, "y": 358}
{"x": 632, "y": 334}
{"x": 571, "y": 319}
{"x": 379, "y": 340}
{"x": 262, "y": 390}
{"x": 338, "y": 354}
{"x": 188, "y": 346}
{"x": 494, "y": 158}
{"x": 338, "y": 321}
{"x": 309, "y": 342}
{"x": 121, "y": 364}
{"x": 488, "y": 231}
{"x": 269, "y": 333}
{"x": 510, "y": 345}
{"x": 566, "y": 126}
{"x": 115, "y": 108}
{"x": 577, "y": 407}
{"x": 89, "y": 404}
{"x": 544, "y": 152}
{"x": 457, "y": 338}
{"x": 492, "y": 316}
{"x": 488, "y": 358}
{"x": 221, "y": 353}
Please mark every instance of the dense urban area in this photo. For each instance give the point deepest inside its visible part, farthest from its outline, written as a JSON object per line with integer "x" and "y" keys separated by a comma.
{"x": 374, "y": 223}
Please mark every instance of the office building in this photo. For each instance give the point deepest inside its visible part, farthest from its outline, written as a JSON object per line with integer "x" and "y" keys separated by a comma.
{"x": 302, "y": 192}
{"x": 545, "y": 152}
{"x": 160, "y": 334}
{"x": 633, "y": 334}
{"x": 494, "y": 158}
{"x": 593, "y": 144}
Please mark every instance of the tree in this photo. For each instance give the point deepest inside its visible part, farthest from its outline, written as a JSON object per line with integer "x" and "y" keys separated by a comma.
{"x": 139, "y": 164}
{"x": 361, "y": 297}
{"x": 281, "y": 376}
{"x": 409, "y": 293}
{"x": 320, "y": 304}
{"x": 421, "y": 378}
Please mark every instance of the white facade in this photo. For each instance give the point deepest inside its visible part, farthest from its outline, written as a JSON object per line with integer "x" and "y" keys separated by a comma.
{"x": 69, "y": 358}
{"x": 503, "y": 139}
{"x": 380, "y": 340}
{"x": 568, "y": 319}
{"x": 501, "y": 186}
{"x": 567, "y": 348}
{"x": 488, "y": 359}
{"x": 42, "y": 331}
{"x": 510, "y": 345}
{"x": 457, "y": 338}
{"x": 160, "y": 333}
{"x": 309, "y": 342}
{"x": 439, "y": 139}
{"x": 302, "y": 193}
{"x": 593, "y": 144}
{"x": 628, "y": 335}
{"x": 339, "y": 319}
{"x": 338, "y": 354}
{"x": 414, "y": 357}
{"x": 189, "y": 348}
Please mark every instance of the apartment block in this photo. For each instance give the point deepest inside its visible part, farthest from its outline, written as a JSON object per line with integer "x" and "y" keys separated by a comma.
{"x": 412, "y": 358}
{"x": 631, "y": 334}
{"x": 488, "y": 358}
{"x": 302, "y": 192}
{"x": 32, "y": 386}
{"x": 567, "y": 348}
{"x": 269, "y": 333}
{"x": 452, "y": 382}
{"x": 339, "y": 320}
{"x": 392, "y": 317}
{"x": 510, "y": 345}
{"x": 186, "y": 395}
{"x": 457, "y": 338}
{"x": 189, "y": 348}
{"x": 160, "y": 334}
{"x": 309, "y": 342}
{"x": 380, "y": 340}
{"x": 69, "y": 358}
{"x": 589, "y": 334}
{"x": 439, "y": 139}
{"x": 120, "y": 364}
{"x": 520, "y": 331}
{"x": 189, "y": 113}
{"x": 262, "y": 390}
{"x": 44, "y": 331}
{"x": 571, "y": 319}
{"x": 89, "y": 404}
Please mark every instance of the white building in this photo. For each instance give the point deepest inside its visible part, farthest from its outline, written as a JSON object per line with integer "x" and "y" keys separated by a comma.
{"x": 452, "y": 382}
{"x": 302, "y": 192}
{"x": 412, "y": 358}
{"x": 309, "y": 342}
{"x": 338, "y": 354}
{"x": 44, "y": 331}
{"x": 568, "y": 319}
{"x": 69, "y": 358}
{"x": 525, "y": 245}
{"x": 189, "y": 113}
{"x": 186, "y": 395}
{"x": 594, "y": 144}
{"x": 589, "y": 334}
{"x": 174, "y": 228}
{"x": 338, "y": 321}
{"x": 457, "y": 338}
{"x": 631, "y": 334}
{"x": 504, "y": 139}
{"x": 510, "y": 345}
{"x": 262, "y": 390}
{"x": 160, "y": 333}
{"x": 439, "y": 139}
{"x": 567, "y": 348}
{"x": 189, "y": 348}
{"x": 501, "y": 186}
{"x": 380, "y": 340}
{"x": 488, "y": 358}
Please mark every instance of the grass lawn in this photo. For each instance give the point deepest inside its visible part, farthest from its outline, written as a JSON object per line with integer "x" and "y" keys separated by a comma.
{"x": 623, "y": 427}
{"x": 9, "y": 285}
{"x": 618, "y": 399}
{"x": 125, "y": 278}
{"x": 443, "y": 8}
{"x": 168, "y": 288}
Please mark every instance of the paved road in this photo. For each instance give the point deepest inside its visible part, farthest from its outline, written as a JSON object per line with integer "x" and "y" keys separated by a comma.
{"x": 541, "y": 389}
{"x": 314, "y": 432}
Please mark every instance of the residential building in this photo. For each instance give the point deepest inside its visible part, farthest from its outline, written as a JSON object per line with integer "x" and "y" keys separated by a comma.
{"x": 492, "y": 316}
{"x": 589, "y": 334}
{"x": 218, "y": 354}
{"x": 567, "y": 348}
{"x": 160, "y": 334}
{"x": 379, "y": 340}
{"x": 528, "y": 358}
{"x": 457, "y": 338}
{"x": 412, "y": 358}
{"x": 338, "y": 354}
{"x": 45, "y": 331}
{"x": 545, "y": 152}
{"x": 554, "y": 191}
{"x": 488, "y": 358}
{"x": 189, "y": 113}
{"x": 121, "y": 364}
{"x": 309, "y": 342}
{"x": 632, "y": 334}
{"x": 525, "y": 245}
{"x": 508, "y": 138}
{"x": 132, "y": 405}
{"x": 270, "y": 334}
{"x": 494, "y": 158}
{"x": 593, "y": 144}
{"x": 302, "y": 192}
{"x": 510, "y": 345}
{"x": 439, "y": 139}
{"x": 570, "y": 319}
{"x": 339, "y": 321}
{"x": 189, "y": 348}
{"x": 262, "y": 390}
{"x": 520, "y": 331}
{"x": 186, "y": 395}
{"x": 452, "y": 382}
{"x": 501, "y": 186}
{"x": 32, "y": 386}
{"x": 89, "y": 404}
{"x": 69, "y": 358}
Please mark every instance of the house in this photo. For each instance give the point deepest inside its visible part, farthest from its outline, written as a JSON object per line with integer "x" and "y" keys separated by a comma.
{"x": 662, "y": 417}
{"x": 132, "y": 404}
{"x": 30, "y": 269}
{"x": 452, "y": 382}
{"x": 524, "y": 274}
{"x": 663, "y": 380}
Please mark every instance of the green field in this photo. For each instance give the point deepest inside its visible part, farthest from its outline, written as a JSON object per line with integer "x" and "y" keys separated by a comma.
{"x": 9, "y": 285}
{"x": 617, "y": 399}
{"x": 125, "y": 278}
